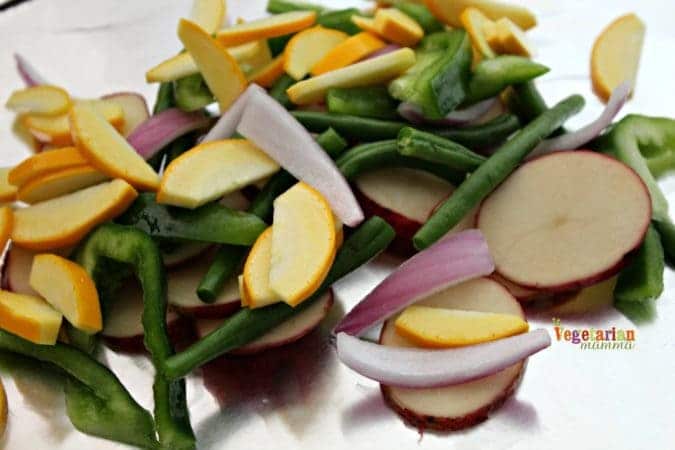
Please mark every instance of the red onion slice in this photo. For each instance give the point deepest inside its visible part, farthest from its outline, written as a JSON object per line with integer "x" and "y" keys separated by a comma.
{"x": 227, "y": 124}
{"x": 576, "y": 139}
{"x": 456, "y": 258}
{"x": 421, "y": 368}
{"x": 269, "y": 126}
{"x": 159, "y": 130}
{"x": 459, "y": 117}
{"x": 27, "y": 72}
{"x": 389, "y": 48}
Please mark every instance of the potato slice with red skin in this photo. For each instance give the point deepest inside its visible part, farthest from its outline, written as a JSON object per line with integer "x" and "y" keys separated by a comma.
{"x": 466, "y": 404}
{"x": 565, "y": 220}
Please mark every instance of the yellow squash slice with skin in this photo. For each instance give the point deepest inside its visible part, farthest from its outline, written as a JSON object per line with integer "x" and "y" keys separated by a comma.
{"x": 63, "y": 221}
{"x": 440, "y": 328}
{"x": 267, "y": 75}
{"x": 397, "y": 27}
{"x": 219, "y": 69}
{"x": 367, "y": 73}
{"x": 3, "y": 409}
{"x": 108, "y": 151}
{"x": 510, "y": 39}
{"x": 273, "y": 26}
{"x": 243, "y": 297}
{"x": 209, "y": 171}
{"x": 366, "y": 24}
{"x": 69, "y": 289}
{"x": 257, "y": 56}
{"x": 307, "y": 48}
{"x": 47, "y": 100}
{"x": 56, "y": 130}
{"x": 6, "y": 223}
{"x": 304, "y": 242}
{"x": 29, "y": 317}
{"x": 448, "y": 11}
{"x": 208, "y": 14}
{"x": 348, "y": 52}
{"x": 59, "y": 183}
{"x": 616, "y": 55}
{"x": 43, "y": 163}
{"x": 256, "y": 276}
{"x": 7, "y": 190}
{"x": 479, "y": 28}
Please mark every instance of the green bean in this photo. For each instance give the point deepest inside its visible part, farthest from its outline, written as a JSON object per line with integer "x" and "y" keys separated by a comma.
{"x": 642, "y": 279}
{"x": 371, "y": 101}
{"x": 493, "y": 171}
{"x": 525, "y": 101}
{"x": 97, "y": 404}
{"x": 165, "y": 98}
{"x": 666, "y": 230}
{"x": 371, "y": 238}
{"x": 340, "y": 19}
{"x": 284, "y": 6}
{"x": 488, "y": 134}
{"x": 278, "y": 91}
{"x": 491, "y": 76}
{"x": 434, "y": 149}
{"x": 421, "y": 15}
{"x": 192, "y": 93}
{"x": 352, "y": 127}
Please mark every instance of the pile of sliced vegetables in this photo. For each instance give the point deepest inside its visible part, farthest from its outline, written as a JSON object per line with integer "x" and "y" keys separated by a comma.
{"x": 430, "y": 140}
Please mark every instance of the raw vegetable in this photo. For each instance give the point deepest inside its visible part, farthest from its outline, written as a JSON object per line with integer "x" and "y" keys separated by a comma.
{"x": 525, "y": 101}
{"x": 279, "y": 88}
{"x": 340, "y": 19}
{"x": 413, "y": 114}
{"x": 134, "y": 108}
{"x": 298, "y": 153}
{"x": 284, "y": 6}
{"x": 267, "y": 75}
{"x": 642, "y": 279}
{"x": 365, "y": 73}
{"x": 666, "y": 231}
{"x": 592, "y": 299}
{"x": 493, "y": 171}
{"x": 192, "y": 93}
{"x": 434, "y": 149}
{"x": 165, "y": 98}
{"x": 255, "y": 284}
{"x": 349, "y": 126}
{"x": 59, "y": 183}
{"x": 348, "y": 52}
{"x": 28, "y": 73}
{"x": 398, "y": 27}
{"x": 8, "y": 191}
{"x": 96, "y": 401}
{"x": 449, "y": 12}
{"x": 133, "y": 247}
{"x": 29, "y": 317}
{"x": 420, "y": 14}
{"x": 595, "y": 199}
{"x": 491, "y": 76}
{"x": 277, "y": 25}
{"x": 480, "y": 29}
{"x": 372, "y": 102}
{"x": 41, "y": 164}
{"x": 372, "y": 237}
{"x": 209, "y": 223}
{"x": 308, "y": 47}
{"x": 43, "y": 99}
{"x": 6, "y": 225}
{"x": 208, "y": 14}
{"x": 512, "y": 39}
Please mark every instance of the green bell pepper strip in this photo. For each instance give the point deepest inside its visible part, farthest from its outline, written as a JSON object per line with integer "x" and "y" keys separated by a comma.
{"x": 642, "y": 279}
{"x": 340, "y": 19}
{"x": 666, "y": 230}
{"x": 165, "y": 98}
{"x": 435, "y": 149}
{"x": 439, "y": 80}
{"x": 284, "y": 6}
{"x": 212, "y": 222}
{"x": 493, "y": 171}
{"x": 371, "y": 238}
{"x": 133, "y": 247}
{"x": 486, "y": 135}
{"x": 229, "y": 257}
{"x": 525, "y": 101}
{"x": 192, "y": 93}
{"x": 383, "y": 154}
{"x": 372, "y": 101}
{"x": 491, "y": 76}
{"x": 278, "y": 90}
{"x": 96, "y": 401}
{"x": 420, "y": 14}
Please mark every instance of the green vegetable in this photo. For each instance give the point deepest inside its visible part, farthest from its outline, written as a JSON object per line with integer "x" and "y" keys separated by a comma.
{"x": 525, "y": 101}
{"x": 229, "y": 257}
{"x": 421, "y": 15}
{"x": 666, "y": 230}
{"x": 192, "y": 93}
{"x": 284, "y": 6}
{"x": 493, "y": 171}
{"x": 372, "y": 102}
{"x": 340, "y": 19}
{"x": 278, "y": 90}
{"x": 439, "y": 80}
{"x": 165, "y": 98}
{"x": 96, "y": 401}
{"x": 642, "y": 279}
{"x": 371, "y": 238}
{"x": 434, "y": 149}
{"x": 353, "y": 127}
{"x": 491, "y": 76}
{"x": 485, "y": 135}
{"x": 173, "y": 150}
{"x": 383, "y": 154}
{"x": 209, "y": 223}
{"x": 133, "y": 247}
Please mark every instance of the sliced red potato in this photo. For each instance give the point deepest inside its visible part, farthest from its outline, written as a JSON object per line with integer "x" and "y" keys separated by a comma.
{"x": 591, "y": 299}
{"x": 565, "y": 221}
{"x": 183, "y": 253}
{"x": 182, "y": 292}
{"x": 405, "y": 198}
{"x": 135, "y": 109}
{"x": 462, "y": 405}
{"x": 288, "y": 332}
{"x": 16, "y": 271}
{"x": 123, "y": 329}
{"x": 522, "y": 294}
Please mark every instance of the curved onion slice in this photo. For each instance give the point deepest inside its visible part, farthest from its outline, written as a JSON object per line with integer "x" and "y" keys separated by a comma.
{"x": 227, "y": 124}
{"x": 383, "y": 51}
{"x": 27, "y": 72}
{"x": 456, "y": 258}
{"x": 413, "y": 113}
{"x": 159, "y": 130}
{"x": 269, "y": 126}
{"x": 422, "y": 368}
{"x": 574, "y": 140}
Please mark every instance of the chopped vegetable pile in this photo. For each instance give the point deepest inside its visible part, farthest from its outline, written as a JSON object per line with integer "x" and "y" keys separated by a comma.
{"x": 414, "y": 126}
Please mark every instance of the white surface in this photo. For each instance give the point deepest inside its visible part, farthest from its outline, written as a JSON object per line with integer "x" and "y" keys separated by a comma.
{"x": 569, "y": 398}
